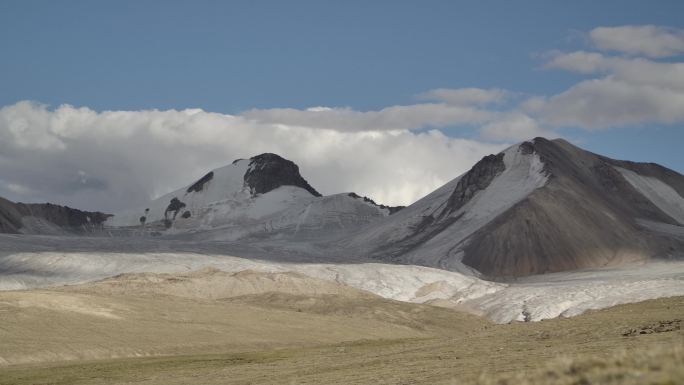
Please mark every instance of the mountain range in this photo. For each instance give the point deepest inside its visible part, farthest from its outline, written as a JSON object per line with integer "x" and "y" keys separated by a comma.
{"x": 540, "y": 206}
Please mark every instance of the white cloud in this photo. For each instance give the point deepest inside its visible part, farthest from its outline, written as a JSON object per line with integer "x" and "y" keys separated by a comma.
{"x": 465, "y": 96}
{"x": 634, "y": 70}
{"x": 408, "y": 117}
{"x": 515, "y": 126}
{"x": 114, "y": 159}
{"x": 610, "y": 102}
{"x": 580, "y": 61}
{"x": 648, "y": 40}
{"x": 627, "y": 92}
{"x": 22, "y": 126}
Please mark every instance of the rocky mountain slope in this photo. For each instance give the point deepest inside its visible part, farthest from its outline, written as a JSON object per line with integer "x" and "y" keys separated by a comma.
{"x": 46, "y": 218}
{"x": 538, "y": 207}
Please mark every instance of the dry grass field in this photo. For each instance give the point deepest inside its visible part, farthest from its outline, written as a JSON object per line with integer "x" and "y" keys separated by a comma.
{"x": 211, "y": 327}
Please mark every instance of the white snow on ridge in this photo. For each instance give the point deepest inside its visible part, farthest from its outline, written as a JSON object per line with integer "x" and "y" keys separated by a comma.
{"x": 524, "y": 173}
{"x": 226, "y": 210}
{"x": 534, "y": 298}
{"x": 658, "y": 192}
{"x": 287, "y": 210}
{"x": 227, "y": 184}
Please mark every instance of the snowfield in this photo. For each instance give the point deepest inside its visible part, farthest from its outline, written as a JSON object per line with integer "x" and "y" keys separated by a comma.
{"x": 31, "y": 262}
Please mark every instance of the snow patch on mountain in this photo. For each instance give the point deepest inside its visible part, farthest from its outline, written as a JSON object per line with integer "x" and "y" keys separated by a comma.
{"x": 227, "y": 183}
{"x": 658, "y": 192}
{"x": 524, "y": 173}
{"x": 286, "y": 211}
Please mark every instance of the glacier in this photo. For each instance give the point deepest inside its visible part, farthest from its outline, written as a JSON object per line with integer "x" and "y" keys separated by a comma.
{"x": 32, "y": 261}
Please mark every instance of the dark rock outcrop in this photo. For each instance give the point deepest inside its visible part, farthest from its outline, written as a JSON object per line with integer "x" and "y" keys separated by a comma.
{"x": 475, "y": 180}
{"x": 199, "y": 185}
{"x": 391, "y": 209}
{"x": 175, "y": 206}
{"x": 268, "y": 171}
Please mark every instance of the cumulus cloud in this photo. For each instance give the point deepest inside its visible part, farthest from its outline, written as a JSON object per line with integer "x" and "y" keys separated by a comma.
{"x": 633, "y": 70}
{"x": 631, "y": 91}
{"x": 435, "y": 115}
{"x": 115, "y": 159}
{"x": 609, "y": 102}
{"x": 448, "y": 108}
{"x": 579, "y": 61}
{"x": 647, "y": 40}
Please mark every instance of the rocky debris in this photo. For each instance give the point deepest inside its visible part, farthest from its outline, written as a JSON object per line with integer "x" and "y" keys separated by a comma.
{"x": 656, "y": 327}
{"x": 199, "y": 185}
{"x": 268, "y": 171}
{"x": 391, "y": 209}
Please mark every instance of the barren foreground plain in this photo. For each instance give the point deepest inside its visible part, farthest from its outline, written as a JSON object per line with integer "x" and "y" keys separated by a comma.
{"x": 212, "y": 327}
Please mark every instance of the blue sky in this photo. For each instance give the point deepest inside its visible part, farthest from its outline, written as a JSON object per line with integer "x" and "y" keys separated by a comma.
{"x": 235, "y": 56}
{"x": 228, "y": 56}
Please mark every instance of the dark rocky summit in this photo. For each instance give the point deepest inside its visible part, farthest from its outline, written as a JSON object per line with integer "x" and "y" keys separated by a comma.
{"x": 268, "y": 171}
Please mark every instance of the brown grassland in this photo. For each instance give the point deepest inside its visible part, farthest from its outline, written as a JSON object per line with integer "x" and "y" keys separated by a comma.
{"x": 257, "y": 328}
